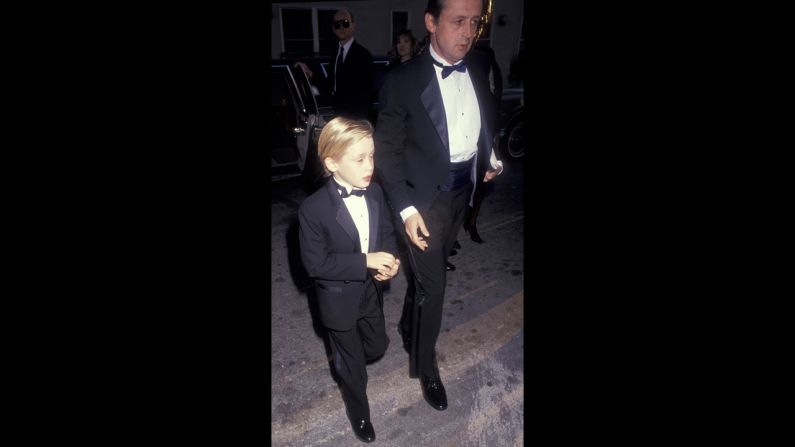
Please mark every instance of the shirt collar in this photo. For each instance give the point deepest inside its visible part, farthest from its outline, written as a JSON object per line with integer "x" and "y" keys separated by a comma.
{"x": 348, "y": 187}
{"x": 347, "y": 46}
{"x": 439, "y": 59}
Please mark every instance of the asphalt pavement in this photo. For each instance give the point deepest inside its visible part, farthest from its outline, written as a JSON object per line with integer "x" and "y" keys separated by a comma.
{"x": 480, "y": 348}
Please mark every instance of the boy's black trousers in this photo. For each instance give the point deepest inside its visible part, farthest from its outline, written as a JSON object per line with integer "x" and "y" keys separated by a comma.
{"x": 352, "y": 349}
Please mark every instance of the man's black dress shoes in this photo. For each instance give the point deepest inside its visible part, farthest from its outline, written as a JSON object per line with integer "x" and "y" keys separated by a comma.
{"x": 433, "y": 391}
{"x": 363, "y": 430}
{"x": 449, "y": 267}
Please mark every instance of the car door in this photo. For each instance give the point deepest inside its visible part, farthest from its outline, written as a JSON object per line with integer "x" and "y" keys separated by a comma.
{"x": 312, "y": 121}
{"x": 294, "y": 116}
{"x": 285, "y": 117}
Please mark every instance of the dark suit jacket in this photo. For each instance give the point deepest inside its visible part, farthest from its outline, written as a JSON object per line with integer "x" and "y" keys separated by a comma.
{"x": 483, "y": 59}
{"x": 355, "y": 84}
{"x": 330, "y": 251}
{"x": 411, "y": 143}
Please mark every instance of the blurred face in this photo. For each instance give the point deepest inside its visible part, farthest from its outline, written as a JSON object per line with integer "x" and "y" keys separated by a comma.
{"x": 356, "y": 165}
{"x": 454, "y": 33}
{"x": 404, "y": 46}
{"x": 338, "y": 25}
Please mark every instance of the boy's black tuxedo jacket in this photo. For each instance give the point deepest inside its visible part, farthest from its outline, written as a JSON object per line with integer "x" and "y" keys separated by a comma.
{"x": 330, "y": 251}
{"x": 412, "y": 146}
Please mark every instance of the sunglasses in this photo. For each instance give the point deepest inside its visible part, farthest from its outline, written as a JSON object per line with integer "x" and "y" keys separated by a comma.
{"x": 342, "y": 23}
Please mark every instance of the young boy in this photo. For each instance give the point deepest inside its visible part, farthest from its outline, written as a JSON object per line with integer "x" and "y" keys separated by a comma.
{"x": 341, "y": 231}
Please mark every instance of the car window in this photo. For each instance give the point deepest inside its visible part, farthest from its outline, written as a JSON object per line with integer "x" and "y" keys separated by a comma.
{"x": 305, "y": 91}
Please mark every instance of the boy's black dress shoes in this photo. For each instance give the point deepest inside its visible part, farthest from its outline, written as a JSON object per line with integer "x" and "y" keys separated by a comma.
{"x": 433, "y": 391}
{"x": 363, "y": 430}
{"x": 449, "y": 267}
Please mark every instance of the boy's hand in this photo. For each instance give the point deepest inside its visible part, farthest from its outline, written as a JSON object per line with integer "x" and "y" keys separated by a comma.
{"x": 384, "y": 275}
{"x": 381, "y": 261}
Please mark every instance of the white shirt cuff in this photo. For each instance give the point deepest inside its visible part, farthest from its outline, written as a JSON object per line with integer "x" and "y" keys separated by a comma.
{"x": 496, "y": 164}
{"x": 408, "y": 212}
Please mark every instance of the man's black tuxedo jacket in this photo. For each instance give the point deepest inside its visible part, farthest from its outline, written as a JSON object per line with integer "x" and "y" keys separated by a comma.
{"x": 355, "y": 84}
{"x": 412, "y": 150}
{"x": 483, "y": 59}
{"x": 331, "y": 253}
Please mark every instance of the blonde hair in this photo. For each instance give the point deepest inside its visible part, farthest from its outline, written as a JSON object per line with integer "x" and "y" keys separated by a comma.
{"x": 338, "y": 135}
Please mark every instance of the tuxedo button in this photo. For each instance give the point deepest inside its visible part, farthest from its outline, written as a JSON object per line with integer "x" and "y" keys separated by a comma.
{"x": 438, "y": 187}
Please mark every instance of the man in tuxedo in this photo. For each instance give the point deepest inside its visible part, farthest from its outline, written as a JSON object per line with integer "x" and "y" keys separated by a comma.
{"x": 434, "y": 139}
{"x": 350, "y": 81}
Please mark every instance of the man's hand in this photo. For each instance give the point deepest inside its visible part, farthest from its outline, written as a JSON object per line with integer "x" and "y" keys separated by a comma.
{"x": 413, "y": 223}
{"x": 386, "y": 274}
{"x": 306, "y": 69}
{"x": 491, "y": 173}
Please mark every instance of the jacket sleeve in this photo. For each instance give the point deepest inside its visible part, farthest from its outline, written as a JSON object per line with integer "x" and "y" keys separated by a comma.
{"x": 320, "y": 262}
{"x": 390, "y": 144}
{"x": 386, "y": 229}
{"x": 497, "y": 74}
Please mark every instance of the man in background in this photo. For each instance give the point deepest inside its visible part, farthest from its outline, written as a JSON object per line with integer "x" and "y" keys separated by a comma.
{"x": 350, "y": 78}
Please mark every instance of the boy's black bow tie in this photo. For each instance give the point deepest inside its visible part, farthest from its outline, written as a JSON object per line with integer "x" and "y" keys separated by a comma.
{"x": 354, "y": 192}
{"x": 344, "y": 192}
{"x": 447, "y": 69}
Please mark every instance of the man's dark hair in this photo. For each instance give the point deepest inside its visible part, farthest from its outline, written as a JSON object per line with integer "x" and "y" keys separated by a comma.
{"x": 435, "y": 8}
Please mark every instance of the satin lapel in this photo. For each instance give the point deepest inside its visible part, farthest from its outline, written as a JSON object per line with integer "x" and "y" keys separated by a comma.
{"x": 431, "y": 98}
{"x": 346, "y": 222}
{"x": 343, "y": 216}
{"x": 373, "y": 210}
